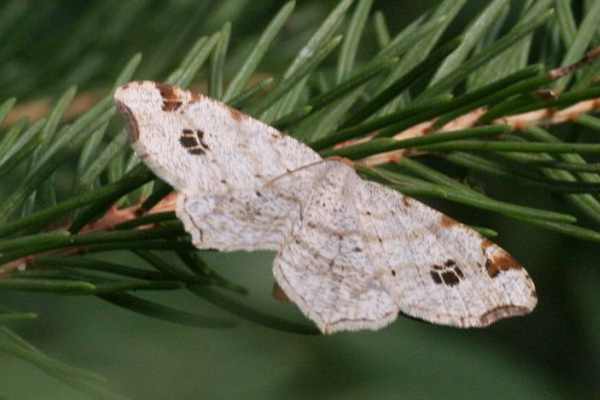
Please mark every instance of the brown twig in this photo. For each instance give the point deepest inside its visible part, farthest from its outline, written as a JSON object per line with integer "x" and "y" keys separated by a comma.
{"x": 546, "y": 116}
{"x": 113, "y": 217}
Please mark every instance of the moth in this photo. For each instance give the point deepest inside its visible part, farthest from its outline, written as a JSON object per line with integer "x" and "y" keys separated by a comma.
{"x": 351, "y": 254}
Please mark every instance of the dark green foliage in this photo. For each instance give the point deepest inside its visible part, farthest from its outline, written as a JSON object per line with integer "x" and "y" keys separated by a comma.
{"x": 338, "y": 73}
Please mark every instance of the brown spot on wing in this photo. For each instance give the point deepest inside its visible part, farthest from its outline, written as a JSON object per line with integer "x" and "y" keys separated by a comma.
{"x": 502, "y": 312}
{"x": 134, "y": 130}
{"x": 279, "y": 294}
{"x": 450, "y": 278}
{"x": 187, "y": 141}
{"x": 459, "y": 272}
{"x": 506, "y": 261}
{"x": 448, "y": 222}
{"x": 166, "y": 91}
{"x": 171, "y": 105}
{"x": 171, "y": 99}
{"x": 436, "y": 277}
{"x": 497, "y": 263}
{"x": 193, "y": 141}
{"x": 200, "y": 136}
{"x": 486, "y": 243}
{"x": 236, "y": 115}
{"x": 450, "y": 274}
{"x": 491, "y": 269}
{"x": 406, "y": 201}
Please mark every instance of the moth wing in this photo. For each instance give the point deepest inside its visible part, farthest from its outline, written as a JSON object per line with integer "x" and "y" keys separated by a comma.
{"x": 200, "y": 145}
{"x": 247, "y": 219}
{"x": 352, "y": 254}
{"x": 364, "y": 252}
{"x": 306, "y": 216}
{"x": 437, "y": 269}
{"x": 324, "y": 266}
{"x": 249, "y": 152}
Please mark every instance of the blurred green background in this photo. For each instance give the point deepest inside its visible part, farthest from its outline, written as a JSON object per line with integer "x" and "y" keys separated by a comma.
{"x": 553, "y": 353}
